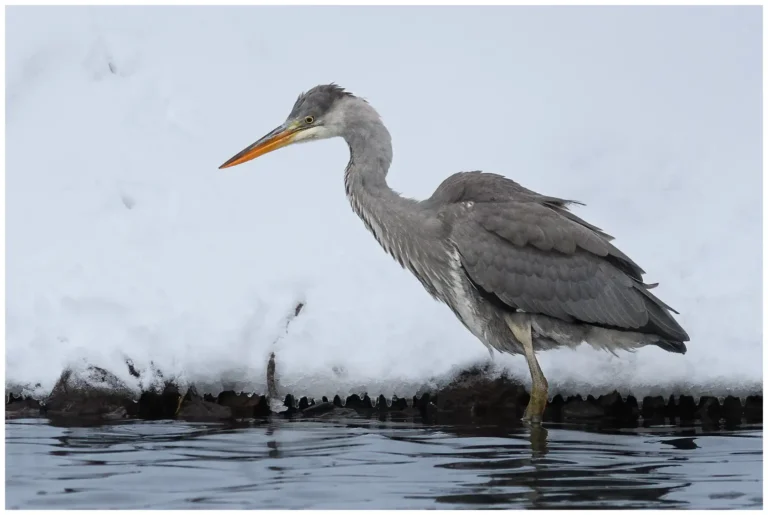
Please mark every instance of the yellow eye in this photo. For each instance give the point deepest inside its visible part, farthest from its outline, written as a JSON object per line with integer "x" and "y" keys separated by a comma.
{"x": 309, "y": 119}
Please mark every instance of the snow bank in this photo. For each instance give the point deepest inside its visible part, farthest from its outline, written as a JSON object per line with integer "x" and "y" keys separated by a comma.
{"x": 124, "y": 241}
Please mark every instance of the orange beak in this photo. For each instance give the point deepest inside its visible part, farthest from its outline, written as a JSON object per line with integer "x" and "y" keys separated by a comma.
{"x": 278, "y": 138}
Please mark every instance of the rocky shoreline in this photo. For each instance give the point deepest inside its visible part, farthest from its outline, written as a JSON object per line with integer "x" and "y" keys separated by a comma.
{"x": 98, "y": 396}
{"x": 470, "y": 397}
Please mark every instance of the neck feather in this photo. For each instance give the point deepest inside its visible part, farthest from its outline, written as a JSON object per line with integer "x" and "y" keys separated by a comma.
{"x": 402, "y": 227}
{"x": 385, "y": 213}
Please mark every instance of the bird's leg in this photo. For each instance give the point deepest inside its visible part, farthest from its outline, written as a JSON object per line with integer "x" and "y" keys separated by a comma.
{"x": 535, "y": 410}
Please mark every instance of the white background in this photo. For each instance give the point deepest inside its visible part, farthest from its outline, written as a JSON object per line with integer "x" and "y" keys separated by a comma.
{"x": 125, "y": 241}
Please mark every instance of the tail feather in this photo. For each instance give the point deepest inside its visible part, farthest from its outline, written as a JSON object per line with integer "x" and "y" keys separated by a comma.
{"x": 672, "y": 346}
{"x": 660, "y": 320}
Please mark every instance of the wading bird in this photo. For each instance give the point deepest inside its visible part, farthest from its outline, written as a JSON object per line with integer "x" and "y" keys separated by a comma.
{"x": 519, "y": 270}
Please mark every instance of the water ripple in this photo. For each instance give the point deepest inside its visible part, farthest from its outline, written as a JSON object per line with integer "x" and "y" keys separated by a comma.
{"x": 373, "y": 464}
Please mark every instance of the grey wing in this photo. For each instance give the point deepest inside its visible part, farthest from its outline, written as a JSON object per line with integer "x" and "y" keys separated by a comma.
{"x": 490, "y": 187}
{"x": 530, "y": 257}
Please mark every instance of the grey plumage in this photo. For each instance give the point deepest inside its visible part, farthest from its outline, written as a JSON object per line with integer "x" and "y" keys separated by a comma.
{"x": 519, "y": 269}
{"x": 317, "y": 100}
{"x": 526, "y": 252}
{"x": 519, "y": 250}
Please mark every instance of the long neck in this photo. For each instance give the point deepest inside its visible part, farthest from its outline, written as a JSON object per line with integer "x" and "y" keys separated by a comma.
{"x": 365, "y": 179}
{"x": 398, "y": 223}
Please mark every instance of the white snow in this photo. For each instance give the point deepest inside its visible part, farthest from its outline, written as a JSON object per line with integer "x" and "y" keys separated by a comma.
{"x": 124, "y": 240}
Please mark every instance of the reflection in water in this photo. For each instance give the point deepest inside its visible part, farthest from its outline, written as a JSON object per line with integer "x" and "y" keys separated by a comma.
{"x": 363, "y": 463}
{"x": 272, "y": 444}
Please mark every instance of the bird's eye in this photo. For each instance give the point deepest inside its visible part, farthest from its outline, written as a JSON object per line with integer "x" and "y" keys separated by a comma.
{"x": 309, "y": 119}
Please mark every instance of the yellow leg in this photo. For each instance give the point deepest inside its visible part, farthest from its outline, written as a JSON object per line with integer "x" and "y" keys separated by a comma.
{"x": 535, "y": 410}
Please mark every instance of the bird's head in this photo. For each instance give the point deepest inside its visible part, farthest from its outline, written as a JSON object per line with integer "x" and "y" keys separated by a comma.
{"x": 317, "y": 114}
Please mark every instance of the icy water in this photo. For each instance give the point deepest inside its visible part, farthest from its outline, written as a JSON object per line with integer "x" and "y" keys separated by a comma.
{"x": 363, "y": 463}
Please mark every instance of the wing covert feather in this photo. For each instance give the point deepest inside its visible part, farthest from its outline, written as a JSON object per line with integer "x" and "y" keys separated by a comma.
{"x": 534, "y": 260}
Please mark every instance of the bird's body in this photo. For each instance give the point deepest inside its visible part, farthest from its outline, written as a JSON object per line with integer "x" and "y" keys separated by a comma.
{"x": 467, "y": 245}
{"x": 518, "y": 269}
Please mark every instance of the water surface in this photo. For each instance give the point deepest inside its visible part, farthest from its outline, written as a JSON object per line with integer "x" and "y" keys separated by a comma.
{"x": 364, "y": 463}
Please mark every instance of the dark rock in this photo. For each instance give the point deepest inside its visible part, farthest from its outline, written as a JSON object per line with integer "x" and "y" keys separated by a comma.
{"x": 654, "y": 408}
{"x": 96, "y": 394}
{"x": 398, "y": 404}
{"x": 578, "y": 408}
{"x": 200, "y": 410}
{"x": 405, "y": 415}
{"x": 428, "y": 407}
{"x": 22, "y": 407}
{"x": 171, "y": 388}
{"x": 617, "y": 409}
{"x": 241, "y": 404}
{"x": 162, "y": 405}
{"x": 337, "y": 413}
{"x": 709, "y": 409}
{"x": 261, "y": 408}
{"x": 119, "y": 413}
{"x": 685, "y": 410}
{"x": 422, "y": 402}
{"x": 355, "y": 402}
{"x": 753, "y": 409}
{"x": 670, "y": 408}
{"x": 553, "y": 411}
{"x": 319, "y": 409}
{"x": 290, "y": 404}
{"x": 633, "y": 409}
{"x": 196, "y": 408}
{"x": 611, "y": 403}
{"x": 732, "y": 409}
{"x": 473, "y": 395}
{"x": 191, "y": 394}
{"x": 409, "y": 412}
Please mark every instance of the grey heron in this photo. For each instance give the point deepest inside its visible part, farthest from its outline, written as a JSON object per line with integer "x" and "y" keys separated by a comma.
{"x": 518, "y": 269}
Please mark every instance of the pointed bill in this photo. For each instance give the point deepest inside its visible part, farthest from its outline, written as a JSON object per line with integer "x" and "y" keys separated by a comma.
{"x": 278, "y": 138}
